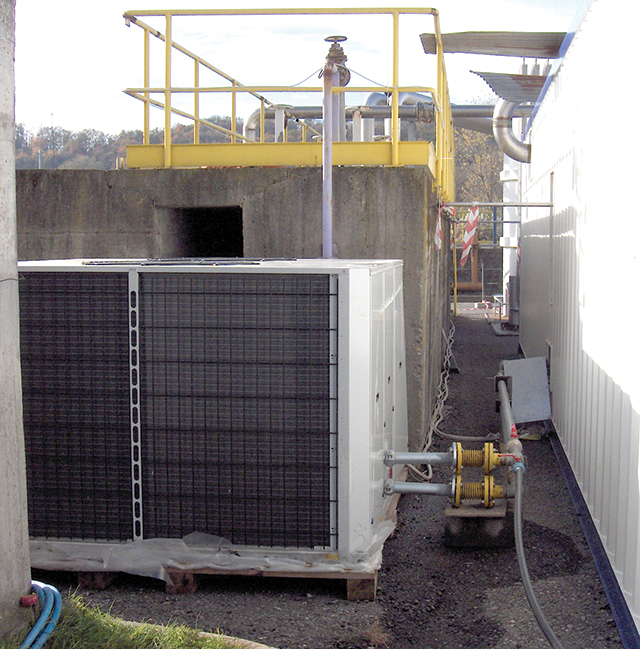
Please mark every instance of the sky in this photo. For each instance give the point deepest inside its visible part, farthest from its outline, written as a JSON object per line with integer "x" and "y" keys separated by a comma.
{"x": 74, "y": 58}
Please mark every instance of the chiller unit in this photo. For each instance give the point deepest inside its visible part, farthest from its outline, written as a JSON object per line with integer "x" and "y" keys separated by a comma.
{"x": 210, "y": 413}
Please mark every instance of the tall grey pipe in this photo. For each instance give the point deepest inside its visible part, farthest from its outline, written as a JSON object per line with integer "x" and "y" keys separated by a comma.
{"x": 508, "y": 143}
{"x": 510, "y": 444}
{"x": 327, "y": 160}
{"x": 508, "y": 423}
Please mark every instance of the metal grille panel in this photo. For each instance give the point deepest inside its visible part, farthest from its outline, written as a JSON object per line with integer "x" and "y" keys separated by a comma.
{"x": 235, "y": 407}
{"x": 75, "y": 375}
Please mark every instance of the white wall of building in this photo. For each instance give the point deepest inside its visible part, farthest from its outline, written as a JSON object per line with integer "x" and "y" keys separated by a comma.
{"x": 580, "y": 272}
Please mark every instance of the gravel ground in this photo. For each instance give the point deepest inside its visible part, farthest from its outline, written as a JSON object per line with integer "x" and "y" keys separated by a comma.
{"x": 430, "y": 596}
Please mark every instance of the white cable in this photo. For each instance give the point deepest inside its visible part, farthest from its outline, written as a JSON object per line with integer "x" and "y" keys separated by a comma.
{"x": 437, "y": 416}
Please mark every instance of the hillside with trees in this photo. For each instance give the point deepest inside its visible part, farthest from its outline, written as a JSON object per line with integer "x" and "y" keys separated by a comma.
{"x": 52, "y": 147}
{"x": 478, "y": 160}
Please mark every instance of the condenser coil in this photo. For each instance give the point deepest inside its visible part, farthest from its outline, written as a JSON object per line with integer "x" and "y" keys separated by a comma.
{"x": 210, "y": 408}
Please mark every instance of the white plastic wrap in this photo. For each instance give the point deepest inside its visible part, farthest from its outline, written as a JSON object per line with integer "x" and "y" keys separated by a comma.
{"x": 196, "y": 552}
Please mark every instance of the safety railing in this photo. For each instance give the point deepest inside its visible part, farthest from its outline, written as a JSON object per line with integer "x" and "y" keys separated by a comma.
{"x": 239, "y": 149}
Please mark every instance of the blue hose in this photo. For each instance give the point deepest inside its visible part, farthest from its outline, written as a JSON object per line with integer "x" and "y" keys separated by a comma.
{"x": 51, "y": 624}
{"x": 51, "y": 604}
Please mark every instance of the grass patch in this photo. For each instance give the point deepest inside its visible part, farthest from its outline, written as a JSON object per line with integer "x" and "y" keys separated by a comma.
{"x": 87, "y": 627}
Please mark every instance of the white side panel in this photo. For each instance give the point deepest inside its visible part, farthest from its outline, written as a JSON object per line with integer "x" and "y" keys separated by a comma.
{"x": 372, "y": 404}
{"x": 579, "y": 270}
{"x": 389, "y": 390}
{"x": 354, "y": 414}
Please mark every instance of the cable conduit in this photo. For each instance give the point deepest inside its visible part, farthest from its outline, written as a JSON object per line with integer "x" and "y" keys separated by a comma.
{"x": 518, "y": 469}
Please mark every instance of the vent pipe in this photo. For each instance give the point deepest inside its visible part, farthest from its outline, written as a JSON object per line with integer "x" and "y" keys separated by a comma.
{"x": 508, "y": 143}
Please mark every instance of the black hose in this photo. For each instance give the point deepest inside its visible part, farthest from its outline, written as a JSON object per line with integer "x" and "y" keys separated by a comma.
{"x": 518, "y": 469}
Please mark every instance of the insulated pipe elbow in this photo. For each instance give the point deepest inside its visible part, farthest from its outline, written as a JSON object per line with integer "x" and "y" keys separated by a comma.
{"x": 376, "y": 99}
{"x": 508, "y": 143}
{"x": 251, "y": 126}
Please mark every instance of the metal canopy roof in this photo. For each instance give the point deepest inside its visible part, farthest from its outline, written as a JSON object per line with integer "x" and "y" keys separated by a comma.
{"x": 541, "y": 45}
{"x": 514, "y": 87}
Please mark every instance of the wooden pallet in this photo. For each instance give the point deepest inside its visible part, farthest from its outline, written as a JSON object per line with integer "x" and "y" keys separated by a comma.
{"x": 360, "y": 585}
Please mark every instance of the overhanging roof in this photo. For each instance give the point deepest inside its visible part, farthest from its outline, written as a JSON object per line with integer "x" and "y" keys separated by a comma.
{"x": 514, "y": 87}
{"x": 541, "y": 45}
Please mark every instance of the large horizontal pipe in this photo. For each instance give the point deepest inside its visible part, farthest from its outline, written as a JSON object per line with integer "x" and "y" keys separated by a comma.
{"x": 406, "y": 111}
{"x": 427, "y": 488}
{"x": 469, "y": 286}
{"x": 415, "y": 111}
{"x": 476, "y": 117}
{"x": 446, "y": 459}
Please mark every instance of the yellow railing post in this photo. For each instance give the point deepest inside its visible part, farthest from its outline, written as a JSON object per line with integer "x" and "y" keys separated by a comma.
{"x": 395, "y": 98}
{"x": 233, "y": 113}
{"x": 167, "y": 92}
{"x": 388, "y": 153}
{"x": 147, "y": 106}
{"x": 444, "y": 126}
{"x": 196, "y": 102}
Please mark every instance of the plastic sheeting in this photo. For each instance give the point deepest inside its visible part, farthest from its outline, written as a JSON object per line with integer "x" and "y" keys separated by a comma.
{"x": 197, "y": 552}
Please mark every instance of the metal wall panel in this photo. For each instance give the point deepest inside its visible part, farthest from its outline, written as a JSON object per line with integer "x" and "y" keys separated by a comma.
{"x": 235, "y": 401}
{"x": 584, "y": 257}
{"x": 75, "y": 374}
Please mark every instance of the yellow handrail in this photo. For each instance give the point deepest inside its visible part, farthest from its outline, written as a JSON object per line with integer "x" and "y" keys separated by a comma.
{"x": 444, "y": 131}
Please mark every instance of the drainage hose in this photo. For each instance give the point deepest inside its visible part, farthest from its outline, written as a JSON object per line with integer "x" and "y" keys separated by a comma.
{"x": 518, "y": 469}
{"x": 51, "y": 604}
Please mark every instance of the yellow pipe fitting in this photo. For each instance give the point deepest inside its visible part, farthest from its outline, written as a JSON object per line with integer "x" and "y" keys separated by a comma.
{"x": 472, "y": 458}
{"x": 473, "y": 491}
{"x": 491, "y": 491}
{"x": 486, "y": 491}
{"x": 487, "y": 458}
{"x": 491, "y": 458}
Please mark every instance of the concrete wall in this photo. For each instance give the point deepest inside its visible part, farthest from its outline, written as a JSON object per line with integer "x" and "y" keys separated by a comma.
{"x": 578, "y": 265}
{"x": 14, "y": 548}
{"x": 380, "y": 212}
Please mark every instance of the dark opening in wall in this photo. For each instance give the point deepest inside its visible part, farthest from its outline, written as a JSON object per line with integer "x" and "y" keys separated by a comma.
{"x": 211, "y": 231}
